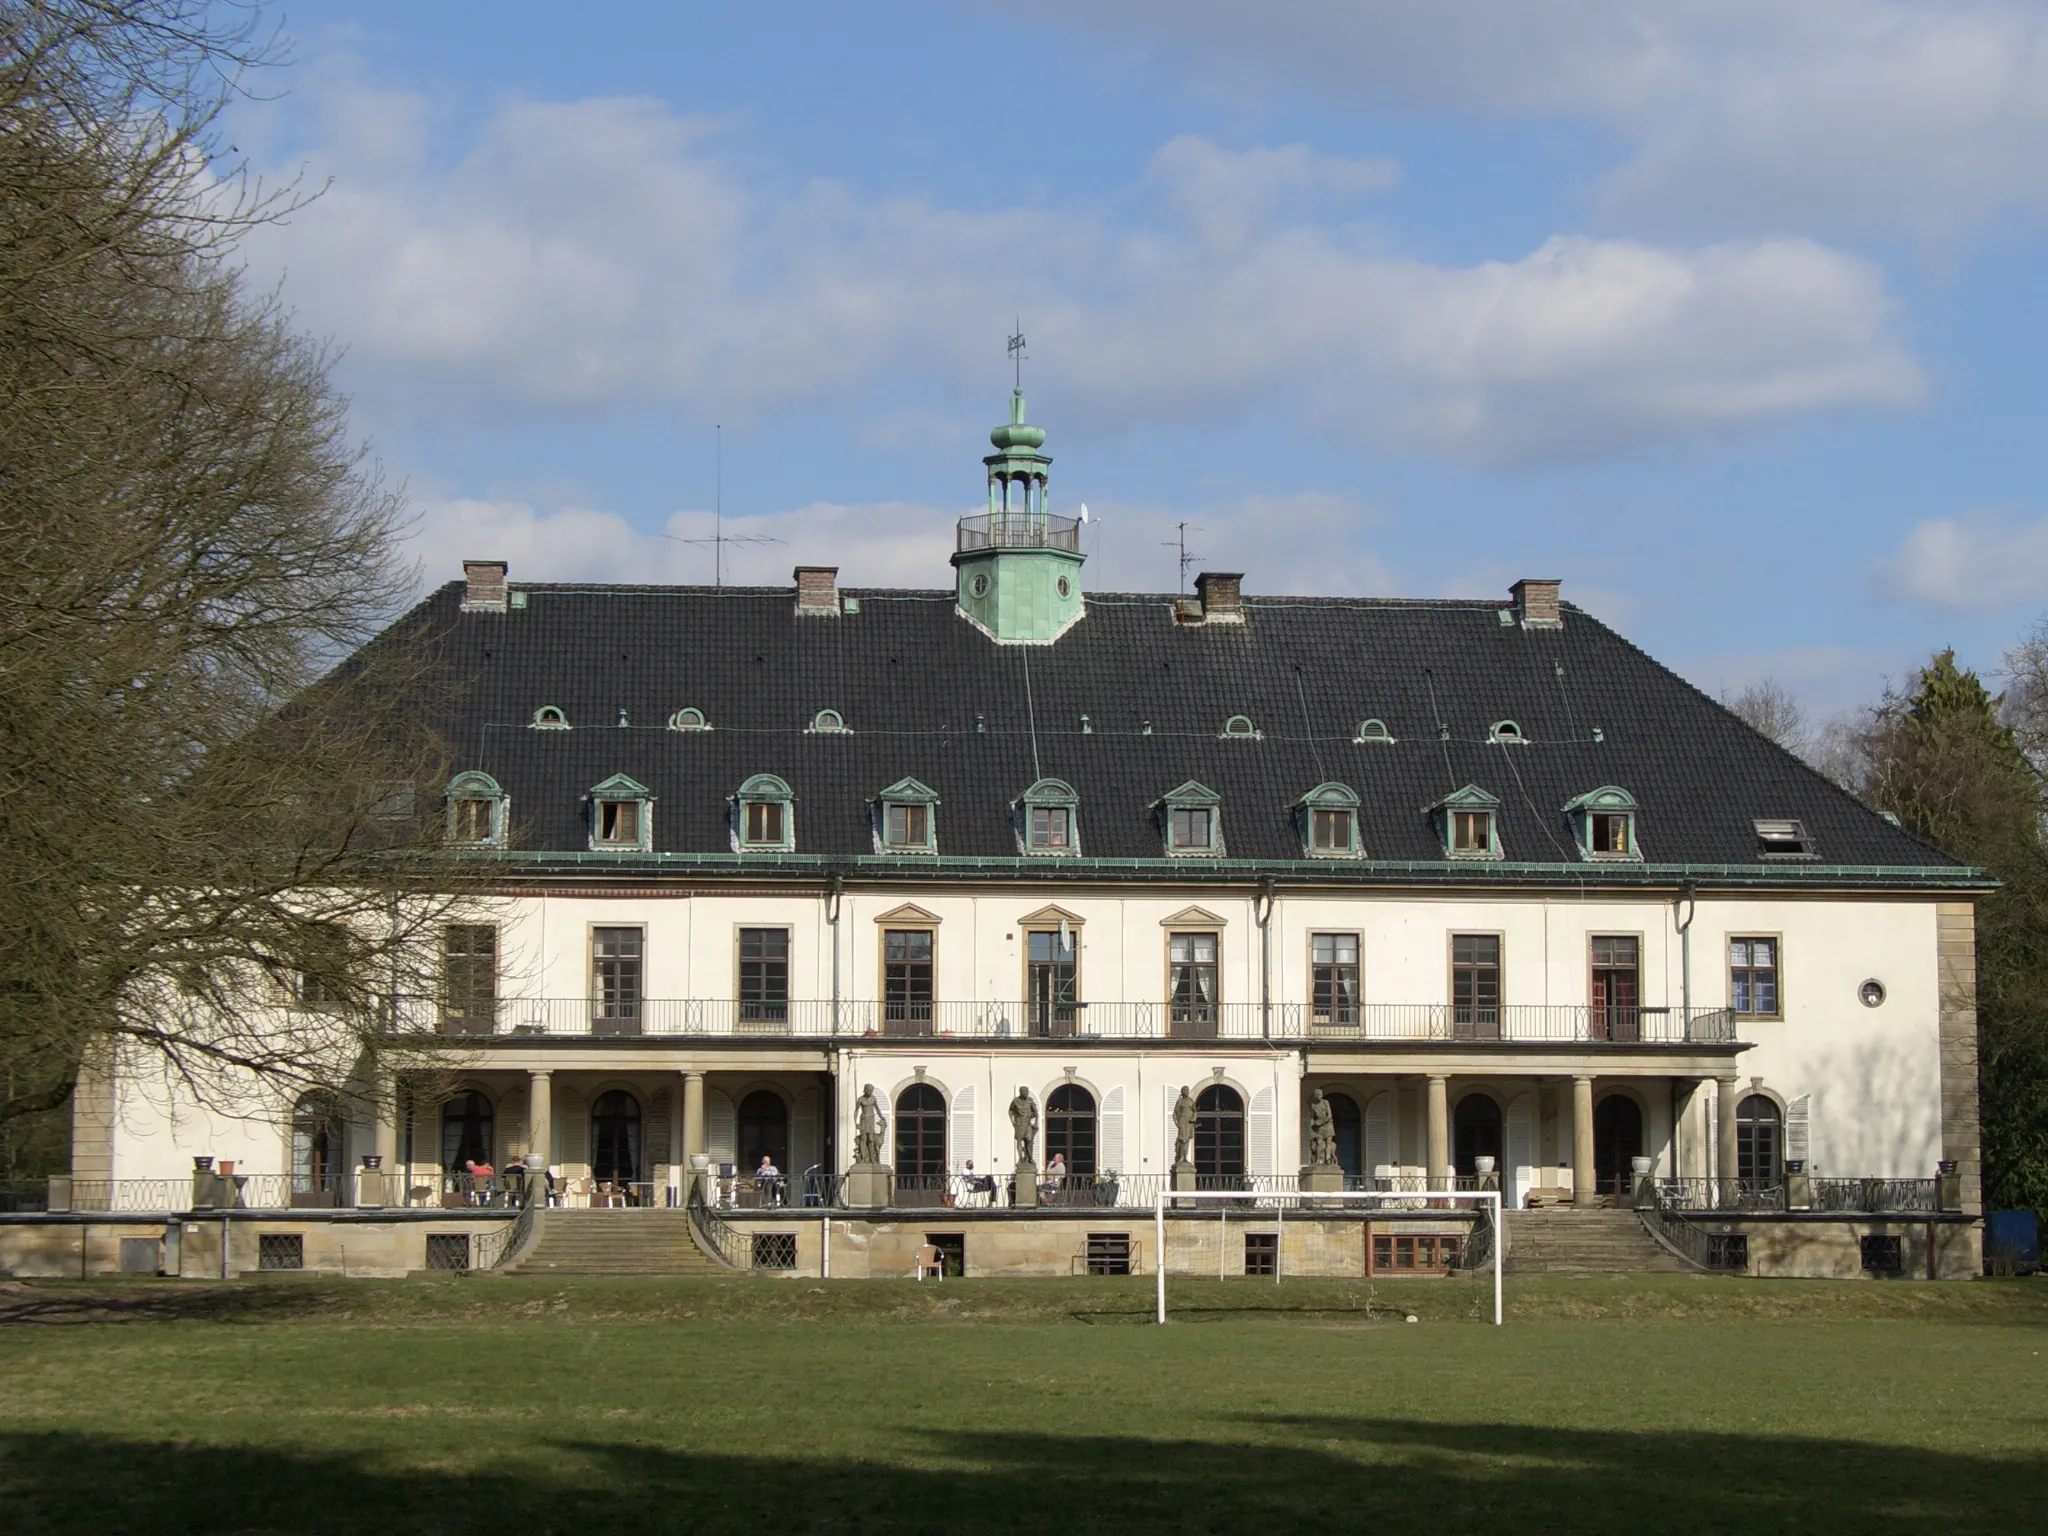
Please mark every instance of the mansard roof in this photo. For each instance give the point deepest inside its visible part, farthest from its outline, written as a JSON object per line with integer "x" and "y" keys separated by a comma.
{"x": 1126, "y": 701}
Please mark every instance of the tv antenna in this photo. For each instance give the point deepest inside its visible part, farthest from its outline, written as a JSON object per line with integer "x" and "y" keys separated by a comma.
{"x": 1018, "y": 354}
{"x": 1180, "y": 542}
{"x": 719, "y": 538}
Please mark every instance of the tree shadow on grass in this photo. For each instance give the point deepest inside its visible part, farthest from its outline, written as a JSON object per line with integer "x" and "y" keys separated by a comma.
{"x": 163, "y": 1301}
{"x": 1287, "y": 1474}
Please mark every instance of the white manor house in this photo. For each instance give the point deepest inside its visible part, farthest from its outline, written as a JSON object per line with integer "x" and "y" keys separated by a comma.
{"x": 1523, "y": 907}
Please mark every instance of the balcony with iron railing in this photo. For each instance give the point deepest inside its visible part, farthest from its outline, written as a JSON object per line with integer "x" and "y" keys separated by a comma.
{"x": 851, "y": 1018}
{"x": 1019, "y": 530}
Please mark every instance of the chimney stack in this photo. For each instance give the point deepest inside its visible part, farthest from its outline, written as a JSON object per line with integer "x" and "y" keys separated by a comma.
{"x": 1536, "y": 603}
{"x": 817, "y": 591}
{"x": 1221, "y": 601}
{"x": 485, "y": 592}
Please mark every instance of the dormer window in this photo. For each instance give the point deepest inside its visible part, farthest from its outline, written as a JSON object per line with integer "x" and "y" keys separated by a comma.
{"x": 688, "y": 720}
{"x": 621, "y": 816}
{"x": 1466, "y": 822}
{"x": 1374, "y": 732}
{"x": 1048, "y": 816}
{"x": 549, "y": 717}
{"x": 907, "y": 815}
{"x": 1191, "y": 818}
{"x": 1329, "y": 822}
{"x": 1240, "y": 728}
{"x": 1604, "y": 825}
{"x": 765, "y": 819}
{"x": 1507, "y": 731}
{"x": 476, "y": 810}
{"x": 1783, "y": 839}
{"x": 829, "y": 722}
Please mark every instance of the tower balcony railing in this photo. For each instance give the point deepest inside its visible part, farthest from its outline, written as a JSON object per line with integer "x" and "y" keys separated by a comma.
{"x": 1020, "y": 530}
{"x": 1059, "y": 1019}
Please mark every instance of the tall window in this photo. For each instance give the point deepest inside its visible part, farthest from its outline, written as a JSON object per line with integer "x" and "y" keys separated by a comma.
{"x": 469, "y": 979}
{"x": 317, "y": 1159}
{"x": 1475, "y": 986}
{"x": 1051, "y": 981}
{"x": 1333, "y": 978}
{"x": 618, "y": 823}
{"x": 1350, "y": 1128}
{"x": 763, "y": 823}
{"x": 1051, "y": 826}
{"x": 1617, "y": 988}
{"x": 920, "y": 1133}
{"x": 907, "y": 826}
{"x": 1472, "y": 832}
{"x": 764, "y": 976}
{"x": 1219, "y": 1136}
{"x": 1070, "y": 1129}
{"x": 1329, "y": 831}
{"x": 1753, "y": 977}
{"x": 1191, "y": 998}
{"x": 1610, "y": 832}
{"x": 615, "y": 1137}
{"x": 615, "y": 974}
{"x": 465, "y": 1131}
{"x": 907, "y": 981}
{"x": 1759, "y": 1144}
{"x": 1191, "y": 827}
{"x": 473, "y": 819}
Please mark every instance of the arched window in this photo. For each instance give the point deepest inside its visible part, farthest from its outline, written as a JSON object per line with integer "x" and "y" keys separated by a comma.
{"x": 1475, "y": 1132}
{"x": 1507, "y": 731}
{"x": 1347, "y": 1122}
{"x": 1617, "y": 1142}
{"x": 1759, "y": 1143}
{"x": 465, "y": 1131}
{"x": 763, "y": 1132}
{"x": 1240, "y": 728}
{"x": 318, "y": 1160}
{"x": 1070, "y": 1129}
{"x": 920, "y": 1136}
{"x": 615, "y": 1137}
{"x": 689, "y": 719}
{"x": 1219, "y": 1136}
{"x": 549, "y": 717}
{"x": 1373, "y": 731}
{"x": 828, "y": 722}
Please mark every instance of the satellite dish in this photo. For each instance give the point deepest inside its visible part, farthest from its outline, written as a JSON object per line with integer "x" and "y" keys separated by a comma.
{"x": 1084, "y": 511}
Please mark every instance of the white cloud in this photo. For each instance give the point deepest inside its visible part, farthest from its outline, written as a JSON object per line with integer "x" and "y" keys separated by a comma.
{"x": 1982, "y": 562}
{"x": 1736, "y": 115}
{"x": 599, "y": 254}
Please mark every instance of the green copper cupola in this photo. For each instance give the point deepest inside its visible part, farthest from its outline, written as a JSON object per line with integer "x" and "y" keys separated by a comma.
{"x": 1018, "y": 567}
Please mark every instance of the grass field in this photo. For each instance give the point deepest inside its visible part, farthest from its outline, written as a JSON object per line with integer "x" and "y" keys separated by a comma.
{"x": 544, "y": 1405}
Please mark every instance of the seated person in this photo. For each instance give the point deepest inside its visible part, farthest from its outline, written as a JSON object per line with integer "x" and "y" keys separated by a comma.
{"x": 1055, "y": 1175}
{"x": 768, "y": 1180}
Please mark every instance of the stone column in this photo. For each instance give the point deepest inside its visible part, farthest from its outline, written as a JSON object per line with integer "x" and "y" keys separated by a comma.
{"x": 1585, "y": 1182}
{"x": 1438, "y": 1118}
{"x": 1731, "y": 1089}
{"x": 693, "y": 1125}
{"x": 540, "y": 1119}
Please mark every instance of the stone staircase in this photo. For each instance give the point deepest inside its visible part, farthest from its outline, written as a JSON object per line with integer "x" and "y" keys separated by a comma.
{"x": 635, "y": 1242}
{"x": 1589, "y": 1242}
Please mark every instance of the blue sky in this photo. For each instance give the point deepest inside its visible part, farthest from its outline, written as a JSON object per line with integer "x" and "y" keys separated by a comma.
{"x": 1725, "y": 312}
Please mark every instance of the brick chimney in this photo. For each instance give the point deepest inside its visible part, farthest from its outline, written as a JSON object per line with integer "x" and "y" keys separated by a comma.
{"x": 817, "y": 591}
{"x": 1221, "y": 601}
{"x": 485, "y": 592}
{"x": 1536, "y": 603}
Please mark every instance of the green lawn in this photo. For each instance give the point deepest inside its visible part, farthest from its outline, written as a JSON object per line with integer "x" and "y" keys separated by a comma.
{"x": 521, "y": 1405}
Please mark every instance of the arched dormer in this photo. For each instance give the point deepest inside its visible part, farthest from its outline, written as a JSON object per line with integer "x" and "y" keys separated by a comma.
{"x": 1329, "y": 822}
{"x": 1049, "y": 819}
{"x": 477, "y": 809}
{"x": 764, "y": 816}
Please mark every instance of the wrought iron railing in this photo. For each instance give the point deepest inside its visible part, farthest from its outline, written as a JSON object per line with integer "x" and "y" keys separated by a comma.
{"x": 1019, "y": 530}
{"x": 1697, "y": 1194}
{"x": 815, "y": 1018}
{"x": 16, "y": 1198}
{"x": 1884, "y": 1197}
{"x": 496, "y": 1249}
{"x": 1657, "y": 1209}
{"x": 733, "y": 1249}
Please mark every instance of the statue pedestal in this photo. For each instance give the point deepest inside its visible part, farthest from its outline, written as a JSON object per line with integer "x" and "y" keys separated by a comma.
{"x": 1024, "y": 1191}
{"x": 866, "y": 1187}
{"x": 1184, "y": 1177}
{"x": 1322, "y": 1179}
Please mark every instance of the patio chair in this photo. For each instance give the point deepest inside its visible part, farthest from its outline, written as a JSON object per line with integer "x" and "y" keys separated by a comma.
{"x": 929, "y": 1262}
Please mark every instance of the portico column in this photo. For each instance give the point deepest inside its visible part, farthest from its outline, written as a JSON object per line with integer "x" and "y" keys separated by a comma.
{"x": 384, "y": 1133}
{"x": 693, "y": 1125}
{"x": 1727, "y": 1169}
{"x": 1439, "y": 1123}
{"x": 1585, "y": 1183}
{"x": 540, "y": 1120}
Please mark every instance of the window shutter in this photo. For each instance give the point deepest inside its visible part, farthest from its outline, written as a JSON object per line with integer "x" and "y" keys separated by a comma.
{"x": 659, "y": 1113}
{"x": 804, "y": 1151}
{"x": 961, "y": 1134}
{"x": 721, "y": 1134}
{"x": 1258, "y": 1133}
{"x": 1521, "y": 1149}
{"x": 1797, "y": 1129}
{"x": 1109, "y": 1155}
{"x": 1379, "y": 1137}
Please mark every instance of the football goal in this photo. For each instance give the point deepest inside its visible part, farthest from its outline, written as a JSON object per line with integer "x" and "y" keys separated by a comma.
{"x": 1216, "y": 1232}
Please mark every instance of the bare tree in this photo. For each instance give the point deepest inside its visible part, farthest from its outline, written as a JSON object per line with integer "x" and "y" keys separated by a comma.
{"x": 210, "y": 802}
{"x": 1770, "y": 710}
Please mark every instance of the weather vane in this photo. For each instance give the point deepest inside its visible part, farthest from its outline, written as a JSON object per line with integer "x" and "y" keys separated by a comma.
{"x": 1017, "y": 352}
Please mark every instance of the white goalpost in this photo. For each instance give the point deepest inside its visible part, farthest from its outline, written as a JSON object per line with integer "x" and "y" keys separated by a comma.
{"x": 1248, "y": 1206}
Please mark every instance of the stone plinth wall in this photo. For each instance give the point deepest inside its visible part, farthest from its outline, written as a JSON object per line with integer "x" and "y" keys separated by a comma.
{"x": 71, "y": 1247}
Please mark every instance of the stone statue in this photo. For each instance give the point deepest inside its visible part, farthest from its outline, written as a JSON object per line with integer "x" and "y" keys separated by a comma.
{"x": 1024, "y": 1126}
{"x": 1322, "y": 1131}
{"x": 867, "y": 1127}
{"x": 1184, "y": 1127}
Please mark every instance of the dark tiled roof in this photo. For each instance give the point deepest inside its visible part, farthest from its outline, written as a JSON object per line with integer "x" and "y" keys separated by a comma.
{"x": 928, "y": 696}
